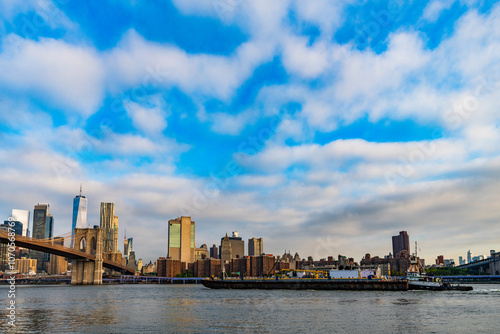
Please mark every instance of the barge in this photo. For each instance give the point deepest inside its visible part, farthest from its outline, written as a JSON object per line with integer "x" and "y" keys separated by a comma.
{"x": 307, "y": 284}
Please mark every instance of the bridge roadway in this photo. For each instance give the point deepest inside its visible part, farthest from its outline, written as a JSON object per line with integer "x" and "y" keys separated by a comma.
{"x": 70, "y": 253}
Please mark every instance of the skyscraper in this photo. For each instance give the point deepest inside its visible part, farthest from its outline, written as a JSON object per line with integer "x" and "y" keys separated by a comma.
{"x": 213, "y": 252}
{"x": 109, "y": 225}
{"x": 469, "y": 256}
{"x": 22, "y": 216}
{"x": 237, "y": 246}
{"x": 226, "y": 253}
{"x": 400, "y": 243}
{"x": 255, "y": 247}
{"x": 18, "y": 226}
{"x": 181, "y": 239}
{"x": 127, "y": 247}
{"x": 79, "y": 212}
{"x": 41, "y": 230}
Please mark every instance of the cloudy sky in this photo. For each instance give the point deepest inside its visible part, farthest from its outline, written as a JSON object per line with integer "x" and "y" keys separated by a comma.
{"x": 324, "y": 127}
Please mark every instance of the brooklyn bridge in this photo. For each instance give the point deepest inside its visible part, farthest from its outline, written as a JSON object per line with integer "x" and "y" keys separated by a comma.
{"x": 87, "y": 255}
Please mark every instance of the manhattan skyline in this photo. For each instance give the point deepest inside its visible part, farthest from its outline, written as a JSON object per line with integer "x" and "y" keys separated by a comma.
{"x": 287, "y": 121}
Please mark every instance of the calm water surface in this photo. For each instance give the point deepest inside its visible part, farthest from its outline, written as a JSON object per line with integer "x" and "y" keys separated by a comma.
{"x": 195, "y": 309}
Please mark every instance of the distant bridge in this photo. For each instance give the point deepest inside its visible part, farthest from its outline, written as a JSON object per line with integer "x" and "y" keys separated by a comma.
{"x": 59, "y": 250}
{"x": 489, "y": 265}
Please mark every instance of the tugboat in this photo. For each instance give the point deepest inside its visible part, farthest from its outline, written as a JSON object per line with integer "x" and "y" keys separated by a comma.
{"x": 418, "y": 280}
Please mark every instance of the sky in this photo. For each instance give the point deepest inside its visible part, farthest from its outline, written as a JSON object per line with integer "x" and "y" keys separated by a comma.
{"x": 324, "y": 127}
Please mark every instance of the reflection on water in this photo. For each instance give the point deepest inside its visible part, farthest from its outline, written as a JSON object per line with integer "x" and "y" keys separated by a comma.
{"x": 195, "y": 309}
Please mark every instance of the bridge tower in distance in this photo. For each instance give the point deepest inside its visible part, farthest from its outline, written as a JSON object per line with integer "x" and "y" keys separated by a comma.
{"x": 85, "y": 272}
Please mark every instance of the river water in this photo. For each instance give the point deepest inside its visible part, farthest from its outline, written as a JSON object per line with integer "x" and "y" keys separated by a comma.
{"x": 196, "y": 309}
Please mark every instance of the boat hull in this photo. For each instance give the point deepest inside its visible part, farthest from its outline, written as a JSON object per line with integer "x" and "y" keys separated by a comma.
{"x": 443, "y": 287}
{"x": 306, "y": 284}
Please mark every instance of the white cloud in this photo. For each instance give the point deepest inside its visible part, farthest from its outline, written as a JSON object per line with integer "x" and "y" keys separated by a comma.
{"x": 306, "y": 62}
{"x": 150, "y": 120}
{"x": 67, "y": 76}
{"x": 137, "y": 62}
{"x": 435, "y": 8}
{"x": 231, "y": 124}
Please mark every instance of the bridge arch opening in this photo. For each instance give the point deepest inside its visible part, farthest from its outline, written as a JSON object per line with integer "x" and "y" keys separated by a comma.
{"x": 83, "y": 244}
{"x": 93, "y": 245}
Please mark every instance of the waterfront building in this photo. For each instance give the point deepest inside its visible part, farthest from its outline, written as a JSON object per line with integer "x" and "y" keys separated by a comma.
{"x": 440, "y": 260}
{"x": 255, "y": 247}
{"x": 26, "y": 266}
{"x": 79, "y": 213}
{"x": 213, "y": 252}
{"x": 207, "y": 268}
{"x": 149, "y": 268}
{"x": 167, "y": 267}
{"x": 109, "y": 226}
{"x": 22, "y": 216}
{"x": 181, "y": 239}
{"x": 130, "y": 261}
{"x": 139, "y": 265}
{"x": 461, "y": 261}
{"x": 400, "y": 243}
{"x": 201, "y": 253}
{"x": 469, "y": 256}
{"x": 57, "y": 264}
{"x": 43, "y": 228}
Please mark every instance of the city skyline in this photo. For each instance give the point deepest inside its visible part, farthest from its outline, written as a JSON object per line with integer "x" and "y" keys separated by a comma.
{"x": 324, "y": 128}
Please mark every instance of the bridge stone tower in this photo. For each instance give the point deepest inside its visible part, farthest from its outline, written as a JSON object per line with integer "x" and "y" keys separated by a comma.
{"x": 84, "y": 272}
{"x": 495, "y": 263}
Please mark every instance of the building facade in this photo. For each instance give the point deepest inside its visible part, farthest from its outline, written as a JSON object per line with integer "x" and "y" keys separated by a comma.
{"x": 26, "y": 266}
{"x": 255, "y": 247}
{"x": 43, "y": 228}
{"x": 22, "y": 216}
{"x": 225, "y": 250}
{"x": 400, "y": 243}
{"x": 181, "y": 239}
{"x": 109, "y": 226}
{"x": 57, "y": 264}
{"x": 79, "y": 212}
{"x": 128, "y": 245}
{"x": 214, "y": 252}
{"x": 201, "y": 253}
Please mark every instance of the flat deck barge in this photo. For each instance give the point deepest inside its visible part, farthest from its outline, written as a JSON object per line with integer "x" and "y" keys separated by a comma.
{"x": 307, "y": 284}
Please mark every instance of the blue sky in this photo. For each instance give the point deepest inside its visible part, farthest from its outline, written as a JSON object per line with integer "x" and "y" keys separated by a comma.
{"x": 324, "y": 127}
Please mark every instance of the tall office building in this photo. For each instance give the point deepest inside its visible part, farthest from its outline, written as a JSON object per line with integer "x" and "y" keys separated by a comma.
{"x": 226, "y": 253}
{"x": 18, "y": 226}
{"x": 43, "y": 228}
{"x": 127, "y": 247}
{"x": 237, "y": 245}
{"x": 22, "y": 216}
{"x": 469, "y": 256}
{"x": 181, "y": 239}
{"x": 255, "y": 247}
{"x": 109, "y": 226}
{"x": 213, "y": 252}
{"x": 79, "y": 212}
{"x": 400, "y": 243}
